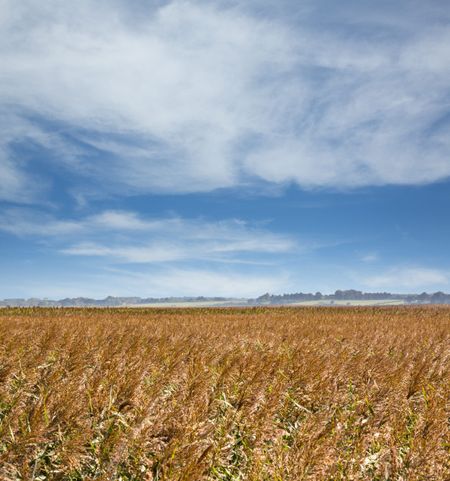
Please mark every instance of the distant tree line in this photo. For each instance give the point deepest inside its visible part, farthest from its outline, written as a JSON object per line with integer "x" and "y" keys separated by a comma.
{"x": 354, "y": 295}
{"x": 339, "y": 295}
{"x": 109, "y": 301}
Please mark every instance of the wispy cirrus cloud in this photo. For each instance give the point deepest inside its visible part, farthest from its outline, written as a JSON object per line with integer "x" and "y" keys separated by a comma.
{"x": 190, "y": 96}
{"x": 124, "y": 236}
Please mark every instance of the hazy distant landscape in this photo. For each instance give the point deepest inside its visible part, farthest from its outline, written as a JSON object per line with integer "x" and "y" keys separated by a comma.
{"x": 339, "y": 298}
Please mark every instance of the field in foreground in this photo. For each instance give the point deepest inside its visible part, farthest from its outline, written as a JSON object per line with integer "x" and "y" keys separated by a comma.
{"x": 225, "y": 394}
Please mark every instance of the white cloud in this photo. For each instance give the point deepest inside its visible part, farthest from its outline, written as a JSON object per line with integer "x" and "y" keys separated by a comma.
{"x": 192, "y": 96}
{"x": 32, "y": 222}
{"x": 409, "y": 278}
{"x": 153, "y": 252}
{"x": 27, "y": 222}
{"x": 123, "y": 236}
{"x": 179, "y": 84}
{"x": 220, "y": 250}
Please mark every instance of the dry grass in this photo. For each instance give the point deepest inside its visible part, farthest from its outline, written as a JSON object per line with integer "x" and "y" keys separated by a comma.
{"x": 225, "y": 394}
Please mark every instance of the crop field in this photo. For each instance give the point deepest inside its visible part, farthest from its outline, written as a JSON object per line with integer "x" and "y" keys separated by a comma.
{"x": 344, "y": 393}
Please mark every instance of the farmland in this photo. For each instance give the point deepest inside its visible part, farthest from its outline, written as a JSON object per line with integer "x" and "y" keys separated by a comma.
{"x": 347, "y": 393}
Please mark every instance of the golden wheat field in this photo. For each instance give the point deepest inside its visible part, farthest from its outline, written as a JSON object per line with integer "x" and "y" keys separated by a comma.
{"x": 225, "y": 394}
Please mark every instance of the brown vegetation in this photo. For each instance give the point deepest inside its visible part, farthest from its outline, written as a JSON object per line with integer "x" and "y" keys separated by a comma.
{"x": 225, "y": 394}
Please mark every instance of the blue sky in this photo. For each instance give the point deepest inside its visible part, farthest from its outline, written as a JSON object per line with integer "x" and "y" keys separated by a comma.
{"x": 223, "y": 148}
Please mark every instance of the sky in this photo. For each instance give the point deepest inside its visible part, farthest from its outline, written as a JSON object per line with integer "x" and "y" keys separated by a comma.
{"x": 223, "y": 148}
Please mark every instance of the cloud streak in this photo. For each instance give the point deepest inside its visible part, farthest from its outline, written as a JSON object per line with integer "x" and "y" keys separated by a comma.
{"x": 123, "y": 236}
